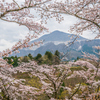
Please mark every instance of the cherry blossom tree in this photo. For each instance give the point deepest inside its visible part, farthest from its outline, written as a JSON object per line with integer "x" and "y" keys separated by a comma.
{"x": 51, "y": 77}
{"x": 22, "y": 13}
{"x": 90, "y": 75}
{"x": 87, "y": 12}
{"x": 51, "y": 83}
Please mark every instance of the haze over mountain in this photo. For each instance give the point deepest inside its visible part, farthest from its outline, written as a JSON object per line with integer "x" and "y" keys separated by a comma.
{"x": 57, "y": 40}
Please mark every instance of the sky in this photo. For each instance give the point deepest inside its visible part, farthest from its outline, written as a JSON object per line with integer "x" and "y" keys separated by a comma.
{"x": 10, "y": 32}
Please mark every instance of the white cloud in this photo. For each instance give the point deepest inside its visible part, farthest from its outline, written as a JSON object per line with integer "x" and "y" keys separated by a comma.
{"x": 63, "y": 26}
{"x": 5, "y": 44}
{"x": 12, "y": 32}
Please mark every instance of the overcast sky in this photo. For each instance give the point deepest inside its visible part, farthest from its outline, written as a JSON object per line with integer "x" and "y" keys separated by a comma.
{"x": 10, "y": 33}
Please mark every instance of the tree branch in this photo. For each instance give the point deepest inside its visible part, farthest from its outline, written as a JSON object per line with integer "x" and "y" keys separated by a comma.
{"x": 15, "y": 10}
{"x": 75, "y": 91}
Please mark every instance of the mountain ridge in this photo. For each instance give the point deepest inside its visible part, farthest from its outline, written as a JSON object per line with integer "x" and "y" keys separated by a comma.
{"x": 57, "y": 36}
{"x": 51, "y": 44}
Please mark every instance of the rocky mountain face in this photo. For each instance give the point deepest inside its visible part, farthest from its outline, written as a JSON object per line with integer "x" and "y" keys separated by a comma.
{"x": 58, "y": 40}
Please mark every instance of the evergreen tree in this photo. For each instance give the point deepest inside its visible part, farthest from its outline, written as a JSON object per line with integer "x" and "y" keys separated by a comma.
{"x": 30, "y": 56}
{"x": 38, "y": 56}
{"x": 49, "y": 55}
{"x": 57, "y": 53}
{"x": 56, "y": 57}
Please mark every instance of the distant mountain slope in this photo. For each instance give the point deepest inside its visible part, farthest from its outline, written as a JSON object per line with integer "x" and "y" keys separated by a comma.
{"x": 72, "y": 54}
{"x": 23, "y": 52}
{"x": 49, "y": 47}
{"x": 85, "y": 45}
{"x": 61, "y": 38}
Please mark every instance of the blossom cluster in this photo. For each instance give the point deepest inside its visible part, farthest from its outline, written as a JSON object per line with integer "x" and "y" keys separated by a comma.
{"x": 86, "y": 11}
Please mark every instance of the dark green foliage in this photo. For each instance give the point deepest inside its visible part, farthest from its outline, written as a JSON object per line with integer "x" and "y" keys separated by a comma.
{"x": 57, "y": 53}
{"x": 9, "y": 60}
{"x": 12, "y": 60}
{"x": 48, "y": 58}
{"x": 38, "y": 56}
{"x": 49, "y": 55}
{"x": 30, "y": 56}
{"x": 25, "y": 59}
{"x": 15, "y": 60}
{"x": 76, "y": 59}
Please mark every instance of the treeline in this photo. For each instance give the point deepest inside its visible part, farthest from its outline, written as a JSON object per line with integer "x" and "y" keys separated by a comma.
{"x": 12, "y": 60}
{"x": 48, "y": 58}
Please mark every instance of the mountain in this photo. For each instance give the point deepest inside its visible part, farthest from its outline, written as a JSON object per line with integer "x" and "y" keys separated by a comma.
{"x": 49, "y": 47}
{"x": 58, "y": 36}
{"x": 57, "y": 40}
{"x": 86, "y": 46}
{"x": 72, "y": 54}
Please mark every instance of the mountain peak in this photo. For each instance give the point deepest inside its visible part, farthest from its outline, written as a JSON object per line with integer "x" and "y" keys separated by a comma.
{"x": 57, "y": 36}
{"x": 58, "y": 32}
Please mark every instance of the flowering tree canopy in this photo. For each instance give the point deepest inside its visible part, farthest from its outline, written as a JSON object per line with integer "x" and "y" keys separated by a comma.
{"x": 51, "y": 78}
{"x": 46, "y": 74}
{"x": 22, "y": 13}
{"x": 87, "y": 11}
